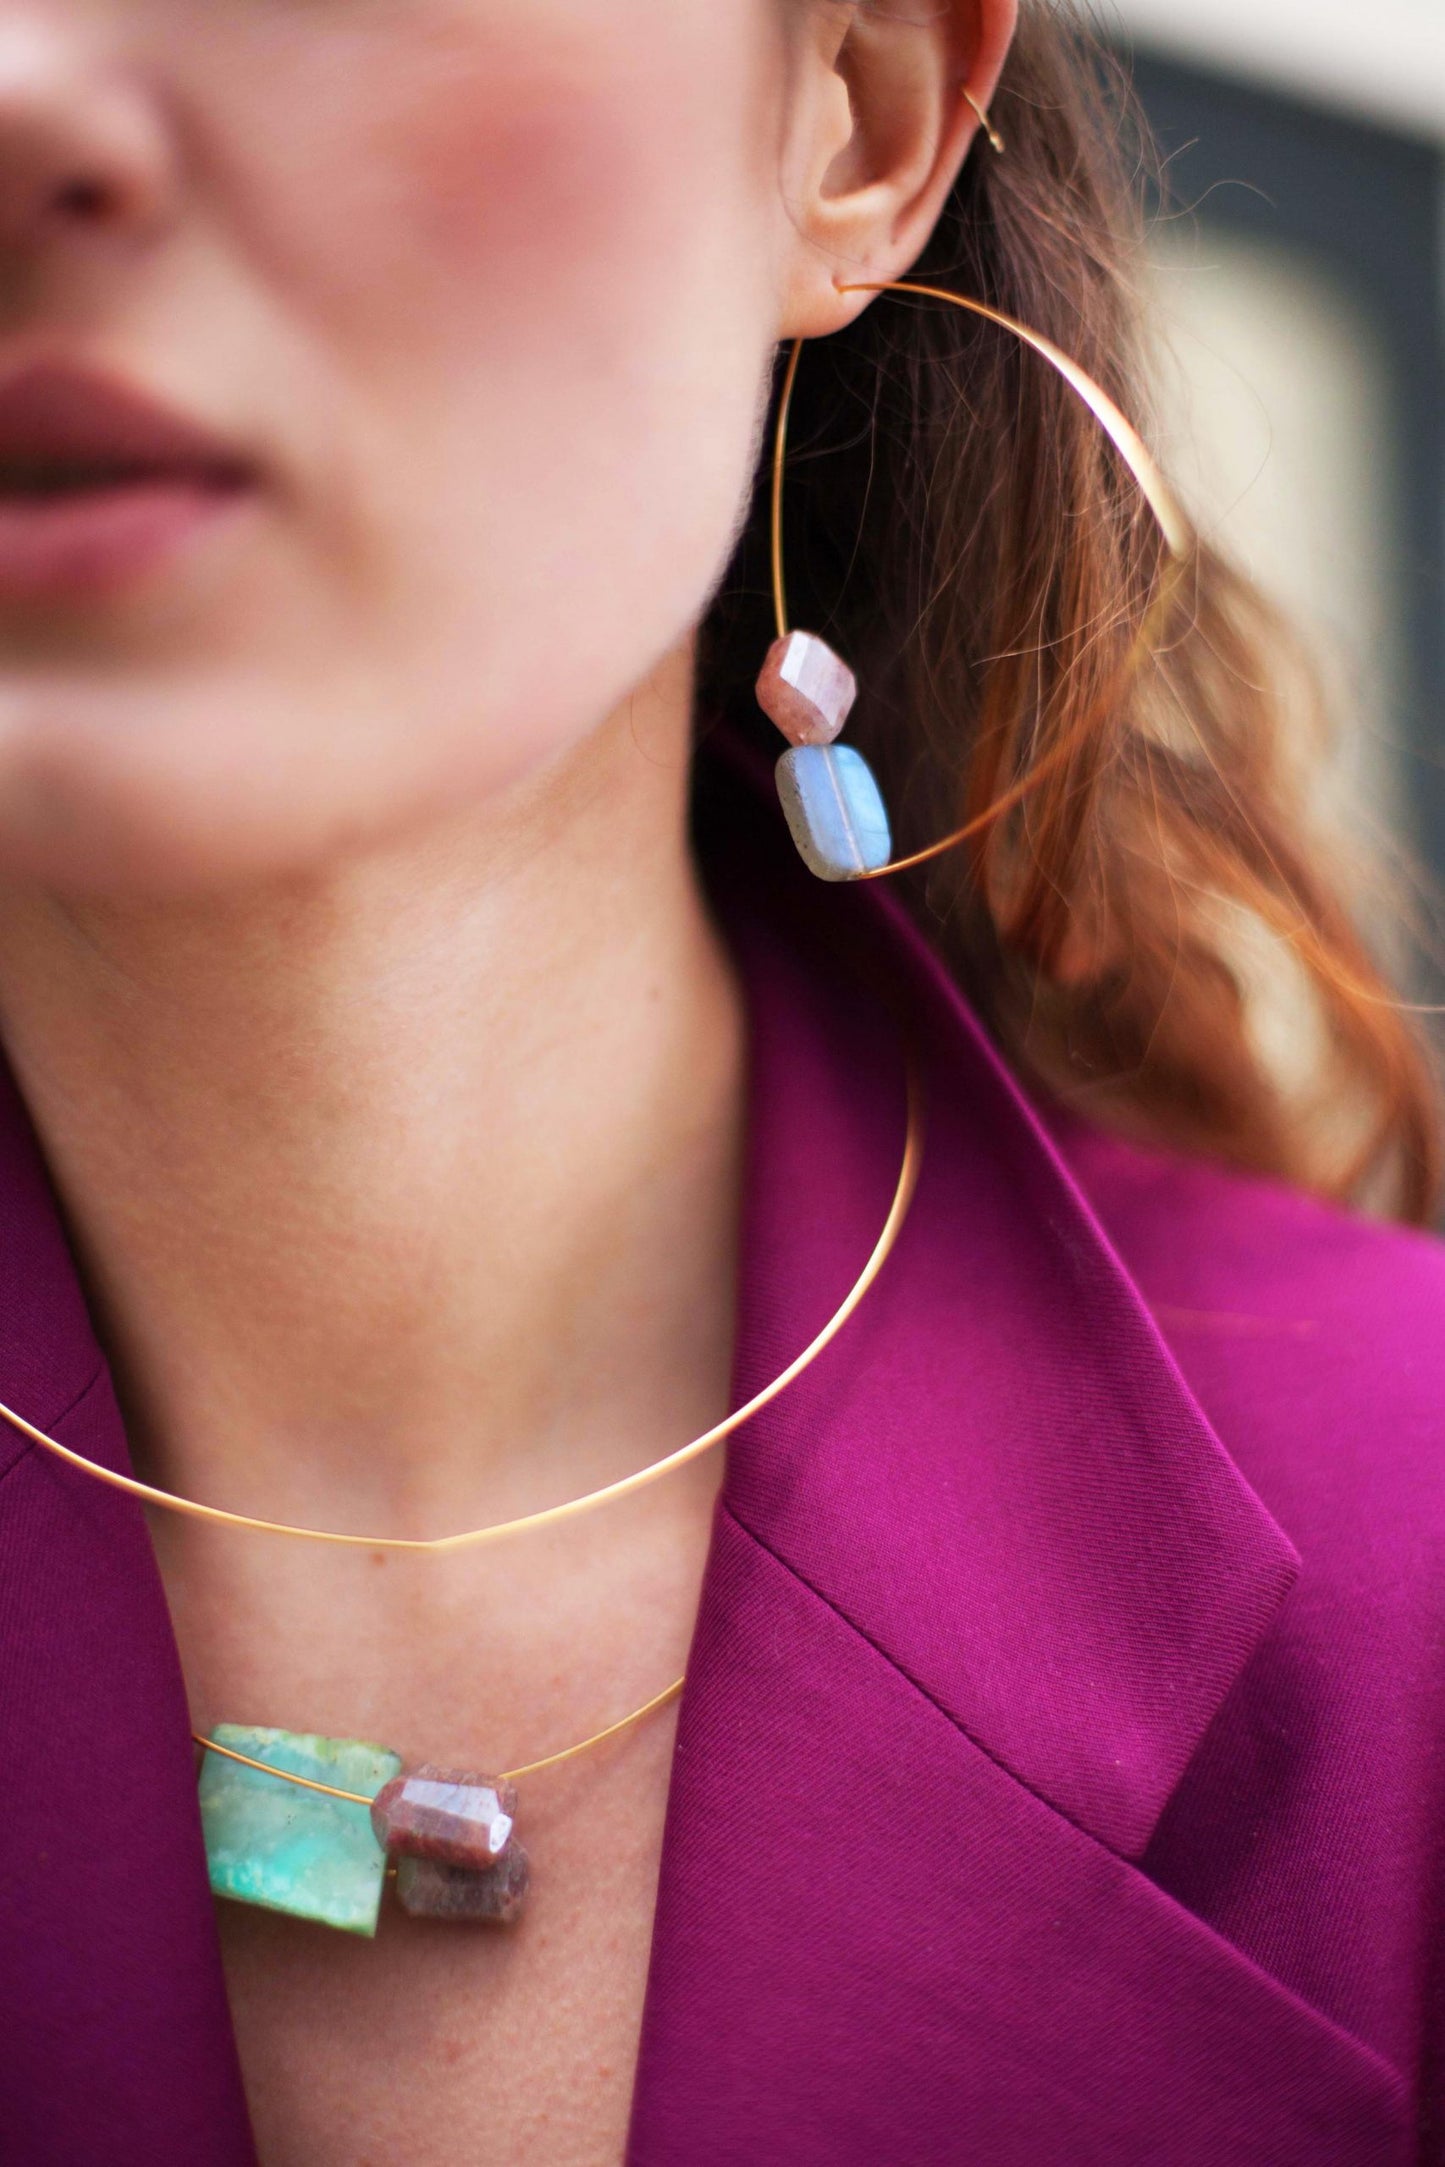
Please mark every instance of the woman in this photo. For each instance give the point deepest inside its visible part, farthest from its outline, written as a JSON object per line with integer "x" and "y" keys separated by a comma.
{"x": 418, "y": 1121}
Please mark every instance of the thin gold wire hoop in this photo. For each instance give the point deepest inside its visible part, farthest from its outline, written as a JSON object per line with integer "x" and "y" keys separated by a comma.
{"x": 980, "y": 114}
{"x": 1173, "y": 522}
{"x": 508, "y": 1775}
{"x": 572, "y": 1508}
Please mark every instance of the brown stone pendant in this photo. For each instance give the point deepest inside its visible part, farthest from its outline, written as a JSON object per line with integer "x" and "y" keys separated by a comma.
{"x": 428, "y": 1890}
{"x": 450, "y": 1836}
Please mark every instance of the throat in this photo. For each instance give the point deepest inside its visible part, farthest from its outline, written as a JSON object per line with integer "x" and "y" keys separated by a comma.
{"x": 404, "y": 1200}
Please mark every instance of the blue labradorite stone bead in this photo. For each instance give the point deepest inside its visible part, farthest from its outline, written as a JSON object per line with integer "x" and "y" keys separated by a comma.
{"x": 835, "y": 811}
{"x": 270, "y": 1843}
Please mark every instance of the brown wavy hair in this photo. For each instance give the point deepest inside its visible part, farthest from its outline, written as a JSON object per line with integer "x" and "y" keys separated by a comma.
{"x": 1148, "y": 893}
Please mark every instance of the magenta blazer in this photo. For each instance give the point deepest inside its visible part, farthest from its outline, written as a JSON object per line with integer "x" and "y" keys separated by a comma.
{"x": 1060, "y": 1777}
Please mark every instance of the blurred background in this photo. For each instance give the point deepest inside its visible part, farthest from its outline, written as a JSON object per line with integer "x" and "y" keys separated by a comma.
{"x": 1300, "y": 260}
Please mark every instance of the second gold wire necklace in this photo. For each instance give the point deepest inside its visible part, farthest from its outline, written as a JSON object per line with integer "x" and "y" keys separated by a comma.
{"x": 305, "y": 1824}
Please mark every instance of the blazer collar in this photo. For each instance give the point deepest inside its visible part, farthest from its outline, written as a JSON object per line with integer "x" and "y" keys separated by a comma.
{"x": 996, "y": 1473}
{"x": 118, "y": 2047}
{"x": 982, "y": 1577}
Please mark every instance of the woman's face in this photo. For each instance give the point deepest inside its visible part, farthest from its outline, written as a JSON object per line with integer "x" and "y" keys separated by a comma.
{"x": 470, "y": 303}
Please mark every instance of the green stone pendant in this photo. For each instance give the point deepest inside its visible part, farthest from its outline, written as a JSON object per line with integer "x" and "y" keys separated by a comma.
{"x": 273, "y": 1844}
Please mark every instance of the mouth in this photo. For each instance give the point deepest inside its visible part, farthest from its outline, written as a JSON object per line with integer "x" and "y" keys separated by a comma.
{"x": 99, "y": 485}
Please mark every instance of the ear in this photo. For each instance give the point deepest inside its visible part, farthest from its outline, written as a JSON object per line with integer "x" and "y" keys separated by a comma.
{"x": 877, "y": 129}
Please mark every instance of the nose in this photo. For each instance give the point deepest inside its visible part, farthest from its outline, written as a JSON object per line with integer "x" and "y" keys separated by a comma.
{"x": 83, "y": 151}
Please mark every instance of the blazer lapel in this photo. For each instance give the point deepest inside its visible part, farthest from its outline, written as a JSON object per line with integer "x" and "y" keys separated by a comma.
{"x": 118, "y": 2048}
{"x": 983, "y": 1577}
{"x": 875, "y": 1944}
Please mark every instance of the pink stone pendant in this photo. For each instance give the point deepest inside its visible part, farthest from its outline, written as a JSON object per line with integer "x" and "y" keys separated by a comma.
{"x": 453, "y": 1819}
{"x": 806, "y": 689}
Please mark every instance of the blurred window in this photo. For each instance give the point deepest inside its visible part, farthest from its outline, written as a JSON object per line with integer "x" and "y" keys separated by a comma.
{"x": 1299, "y": 260}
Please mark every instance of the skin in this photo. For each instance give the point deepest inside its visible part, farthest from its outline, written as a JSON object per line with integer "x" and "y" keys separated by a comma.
{"x": 352, "y": 962}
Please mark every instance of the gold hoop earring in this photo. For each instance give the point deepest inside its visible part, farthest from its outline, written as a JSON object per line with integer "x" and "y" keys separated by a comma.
{"x": 981, "y": 115}
{"x": 830, "y": 796}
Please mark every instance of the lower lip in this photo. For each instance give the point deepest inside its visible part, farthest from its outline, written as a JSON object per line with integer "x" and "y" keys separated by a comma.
{"x": 96, "y": 542}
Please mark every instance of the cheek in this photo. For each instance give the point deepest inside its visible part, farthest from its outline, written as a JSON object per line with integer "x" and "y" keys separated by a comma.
{"x": 562, "y": 314}
{"x": 530, "y": 267}
{"x": 523, "y": 232}
{"x": 495, "y": 177}
{"x": 490, "y": 141}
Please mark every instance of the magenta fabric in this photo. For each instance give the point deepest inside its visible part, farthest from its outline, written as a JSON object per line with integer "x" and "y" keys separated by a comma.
{"x": 1072, "y": 1644}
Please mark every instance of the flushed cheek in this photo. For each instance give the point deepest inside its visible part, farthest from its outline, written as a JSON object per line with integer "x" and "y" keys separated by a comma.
{"x": 555, "y": 297}
{"x": 518, "y": 155}
{"x": 530, "y": 277}
{"x": 559, "y": 125}
{"x": 500, "y": 179}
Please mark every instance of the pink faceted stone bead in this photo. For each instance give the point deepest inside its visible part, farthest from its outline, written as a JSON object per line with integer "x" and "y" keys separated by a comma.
{"x": 435, "y": 1813}
{"x": 806, "y": 689}
{"x": 429, "y": 1890}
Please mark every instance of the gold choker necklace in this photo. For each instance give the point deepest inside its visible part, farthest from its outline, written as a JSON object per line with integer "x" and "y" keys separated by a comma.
{"x": 306, "y": 1825}
{"x": 551, "y": 1515}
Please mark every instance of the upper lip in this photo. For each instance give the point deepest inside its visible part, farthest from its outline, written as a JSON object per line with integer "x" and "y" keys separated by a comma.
{"x": 68, "y": 428}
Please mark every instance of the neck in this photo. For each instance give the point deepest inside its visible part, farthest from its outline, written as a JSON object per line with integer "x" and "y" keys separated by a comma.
{"x": 405, "y": 1195}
